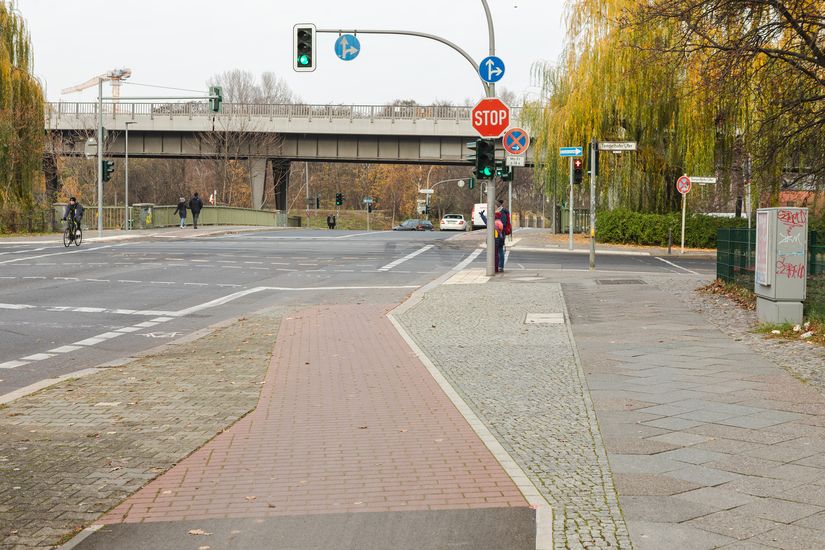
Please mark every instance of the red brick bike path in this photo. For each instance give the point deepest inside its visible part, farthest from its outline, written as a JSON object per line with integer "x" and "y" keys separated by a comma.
{"x": 348, "y": 420}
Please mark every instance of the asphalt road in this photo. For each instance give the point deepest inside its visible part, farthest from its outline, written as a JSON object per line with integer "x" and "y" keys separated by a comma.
{"x": 62, "y": 310}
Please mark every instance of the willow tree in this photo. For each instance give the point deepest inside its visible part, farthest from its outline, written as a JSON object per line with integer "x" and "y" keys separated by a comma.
{"x": 771, "y": 52}
{"x": 612, "y": 84}
{"x": 21, "y": 113}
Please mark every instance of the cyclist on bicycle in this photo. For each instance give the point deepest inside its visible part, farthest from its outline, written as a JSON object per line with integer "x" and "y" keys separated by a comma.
{"x": 74, "y": 213}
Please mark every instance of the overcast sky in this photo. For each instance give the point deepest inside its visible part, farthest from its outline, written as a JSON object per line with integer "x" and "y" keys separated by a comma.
{"x": 181, "y": 43}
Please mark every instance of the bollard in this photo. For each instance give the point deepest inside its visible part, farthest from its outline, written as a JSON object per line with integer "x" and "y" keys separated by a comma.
{"x": 669, "y": 240}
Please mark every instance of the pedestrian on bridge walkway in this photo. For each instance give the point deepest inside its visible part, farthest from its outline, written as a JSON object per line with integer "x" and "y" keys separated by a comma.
{"x": 195, "y": 205}
{"x": 181, "y": 211}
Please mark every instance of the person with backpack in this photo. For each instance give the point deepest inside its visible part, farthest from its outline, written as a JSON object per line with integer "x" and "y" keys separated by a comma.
{"x": 498, "y": 236}
{"x": 505, "y": 218}
{"x": 195, "y": 205}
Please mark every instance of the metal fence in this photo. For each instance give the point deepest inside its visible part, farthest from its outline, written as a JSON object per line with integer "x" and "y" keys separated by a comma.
{"x": 736, "y": 258}
{"x": 273, "y": 110}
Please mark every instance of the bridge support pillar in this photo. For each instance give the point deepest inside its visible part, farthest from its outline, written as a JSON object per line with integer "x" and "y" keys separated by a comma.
{"x": 280, "y": 179}
{"x": 257, "y": 175}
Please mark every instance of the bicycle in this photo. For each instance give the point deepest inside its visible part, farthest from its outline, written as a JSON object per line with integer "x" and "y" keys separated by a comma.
{"x": 72, "y": 234}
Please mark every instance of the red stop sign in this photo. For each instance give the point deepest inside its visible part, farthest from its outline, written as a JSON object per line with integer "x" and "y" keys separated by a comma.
{"x": 490, "y": 117}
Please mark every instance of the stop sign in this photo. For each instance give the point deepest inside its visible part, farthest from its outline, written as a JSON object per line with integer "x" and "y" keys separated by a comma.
{"x": 490, "y": 117}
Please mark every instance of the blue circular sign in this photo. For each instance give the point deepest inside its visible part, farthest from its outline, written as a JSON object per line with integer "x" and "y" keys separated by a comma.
{"x": 491, "y": 69}
{"x": 347, "y": 47}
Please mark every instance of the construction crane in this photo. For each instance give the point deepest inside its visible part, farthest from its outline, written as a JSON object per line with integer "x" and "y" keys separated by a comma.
{"x": 115, "y": 76}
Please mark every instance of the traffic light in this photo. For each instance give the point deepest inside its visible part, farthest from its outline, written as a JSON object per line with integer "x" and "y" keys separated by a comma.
{"x": 107, "y": 167}
{"x": 339, "y": 199}
{"x": 505, "y": 173}
{"x": 317, "y": 202}
{"x": 303, "y": 54}
{"x": 577, "y": 171}
{"x": 370, "y": 208}
{"x": 485, "y": 158}
{"x": 215, "y": 99}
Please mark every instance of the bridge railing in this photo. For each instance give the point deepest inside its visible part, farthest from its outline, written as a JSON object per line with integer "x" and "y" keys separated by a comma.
{"x": 269, "y": 110}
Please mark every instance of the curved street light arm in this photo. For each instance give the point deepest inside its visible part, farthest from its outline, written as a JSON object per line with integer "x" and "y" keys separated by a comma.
{"x": 444, "y": 41}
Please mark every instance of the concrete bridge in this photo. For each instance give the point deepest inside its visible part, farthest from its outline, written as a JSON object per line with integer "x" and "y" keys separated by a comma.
{"x": 271, "y": 136}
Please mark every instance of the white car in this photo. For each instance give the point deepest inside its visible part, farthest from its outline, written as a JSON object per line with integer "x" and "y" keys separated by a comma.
{"x": 453, "y": 222}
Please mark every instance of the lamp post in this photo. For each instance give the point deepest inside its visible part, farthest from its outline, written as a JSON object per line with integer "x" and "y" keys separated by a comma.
{"x": 126, "y": 203}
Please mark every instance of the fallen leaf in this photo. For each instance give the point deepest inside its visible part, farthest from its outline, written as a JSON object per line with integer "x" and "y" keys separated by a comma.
{"x": 250, "y": 499}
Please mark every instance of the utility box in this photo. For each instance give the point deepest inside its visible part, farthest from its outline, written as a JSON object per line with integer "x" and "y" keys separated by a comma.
{"x": 781, "y": 270}
{"x": 145, "y": 214}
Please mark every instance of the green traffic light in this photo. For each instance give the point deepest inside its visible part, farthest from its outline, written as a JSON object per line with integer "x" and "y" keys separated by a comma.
{"x": 486, "y": 172}
{"x": 303, "y": 60}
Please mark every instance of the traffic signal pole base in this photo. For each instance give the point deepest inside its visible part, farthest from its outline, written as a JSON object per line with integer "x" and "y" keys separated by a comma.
{"x": 491, "y": 225}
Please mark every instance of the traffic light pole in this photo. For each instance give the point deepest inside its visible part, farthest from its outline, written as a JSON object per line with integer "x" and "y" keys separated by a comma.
{"x": 570, "y": 206}
{"x": 100, "y": 146}
{"x": 594, "y": 150}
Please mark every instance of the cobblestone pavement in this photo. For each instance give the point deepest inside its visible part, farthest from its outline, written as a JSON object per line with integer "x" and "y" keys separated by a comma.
{"x": 712, "y": 444}
{"x": 73, "y": 451}
{"x": 523, "y": 381}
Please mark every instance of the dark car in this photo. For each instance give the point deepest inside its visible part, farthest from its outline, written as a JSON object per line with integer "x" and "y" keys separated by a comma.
{"x": 414, "y": 225}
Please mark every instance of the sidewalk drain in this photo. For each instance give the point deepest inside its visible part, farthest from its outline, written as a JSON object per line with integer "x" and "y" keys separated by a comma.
{"x": 544, "y": 318}
{"x": 620, "y": 282}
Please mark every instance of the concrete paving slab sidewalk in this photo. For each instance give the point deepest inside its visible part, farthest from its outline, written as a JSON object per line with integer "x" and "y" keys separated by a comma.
{"x": 349, "y": 422}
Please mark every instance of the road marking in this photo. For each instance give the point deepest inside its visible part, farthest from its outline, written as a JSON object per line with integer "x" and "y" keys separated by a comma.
{"x": 406, "y": 258}
{"x": 468, "y": 260}
{"x": 676, "y": 266}
{"x": 88, "y": 342}
{"x": 16, "y": 306}
{"x": 65, "y": 349}
{"x": 78, "y": 251}
{"x": 34, "y": 278}
{"x": 13, "y": 364}
{"x": 128, "y": 281}
{"x": 38, "y": 357}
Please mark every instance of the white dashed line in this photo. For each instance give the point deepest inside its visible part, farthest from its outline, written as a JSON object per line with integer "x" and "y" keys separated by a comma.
{"x": 13, "y": 364}
{"x": 406, "y": 258}
{"x": 65, "y": 349}
{"x": 38, "y": 357}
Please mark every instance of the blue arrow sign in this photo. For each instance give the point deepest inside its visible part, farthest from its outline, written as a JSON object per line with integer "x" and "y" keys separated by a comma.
{"x": 570, "y": 151}
{"x": 347, "y": 47}
{"x": 491, "y": 69}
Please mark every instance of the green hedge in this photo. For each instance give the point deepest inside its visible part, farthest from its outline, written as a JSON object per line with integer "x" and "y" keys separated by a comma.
{"x": 628, "y": 227}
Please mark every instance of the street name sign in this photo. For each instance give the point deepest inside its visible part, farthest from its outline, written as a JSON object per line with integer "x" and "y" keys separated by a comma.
{"x": 491, "y": 69}
{"x": 570, "y": 151}
{"x": 683, "y": 185}
{"x": 515, "y": 160}
{"x": 702, "y": 180}
{"x": 426, "y": 191}
{"x": 516, "y": 141}
{"x": 490, "y": 117}
{"x": 617, "y": 146}
{"x": 347, "y": 47}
